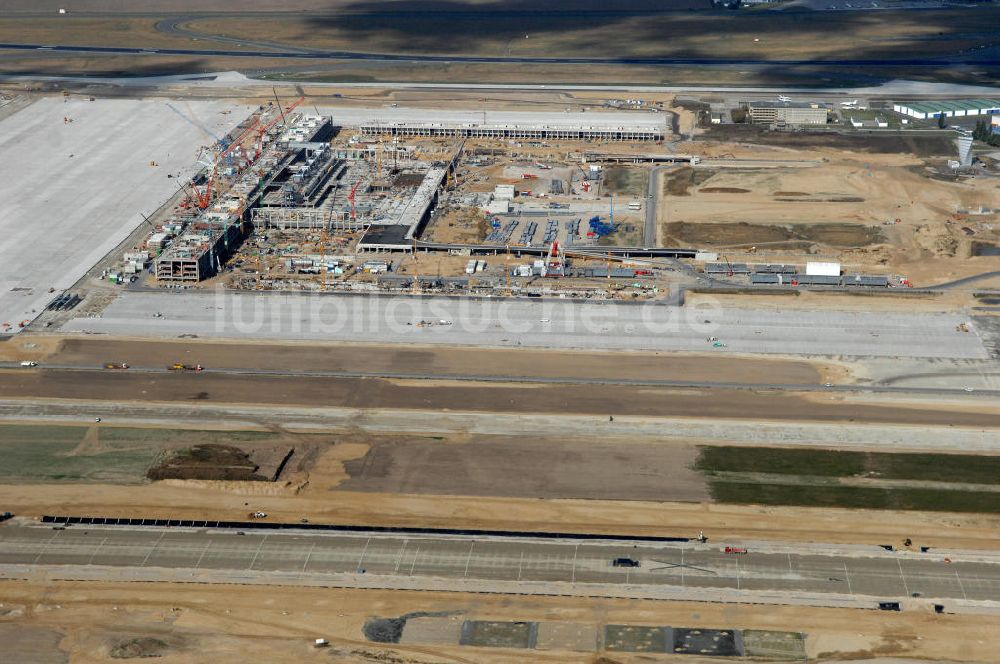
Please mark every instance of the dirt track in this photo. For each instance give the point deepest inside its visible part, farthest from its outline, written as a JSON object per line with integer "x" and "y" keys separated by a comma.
{"x": 442, "y": 361}
{"x": 445, "y": 396}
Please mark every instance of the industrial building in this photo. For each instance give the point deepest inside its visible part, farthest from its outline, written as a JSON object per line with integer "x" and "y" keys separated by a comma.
{"x": 924, "y": 110}
{"x": 785, "y": 113}
{"x": 293, "y": 169}
{"x": 598, "y": 132}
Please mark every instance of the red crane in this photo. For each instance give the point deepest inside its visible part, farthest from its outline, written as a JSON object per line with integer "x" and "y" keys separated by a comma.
{"x": 263, "y": 129}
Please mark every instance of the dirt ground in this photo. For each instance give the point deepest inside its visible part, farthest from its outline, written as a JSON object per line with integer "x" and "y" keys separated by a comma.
{"x": 83, "y": 621}
{"x": 529, "y": 468}
{"x": 333, "y": 489}
{"x": 413, "y": 359}
{"x": 375, "y": 393}
{"x": 845, "y": 208}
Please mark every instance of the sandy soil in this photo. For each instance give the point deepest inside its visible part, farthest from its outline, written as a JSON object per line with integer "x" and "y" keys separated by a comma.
{"x": 319, "y": 498}
{"x": 222, "y": 624}
{"x": 374, "y": 393}
{"x": 415, "y": 359}
{"x": 873, "y": 190}
{"x": 529, "y": 468}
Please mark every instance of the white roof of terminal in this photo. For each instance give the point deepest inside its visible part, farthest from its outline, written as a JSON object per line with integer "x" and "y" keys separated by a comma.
{"x": 354, "y": 117}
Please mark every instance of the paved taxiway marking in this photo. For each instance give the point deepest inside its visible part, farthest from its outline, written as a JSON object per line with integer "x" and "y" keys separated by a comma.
{"x": 203, "y": 552}
{"x": 358, "y": 568}
{"x": 468, "y": 559}
{"x": 153, "y": 548}
{"x": 899, "y": 564}
{"x": 414, "y": 563}
{"x": 45, "y": 546}
{"x": 961, "y": 586}
{"x": 399, "y": 557}
{"x": 96, "y": 550}
{"x": 847, "y": 576}
{"x": 305, "y": 563}
{"x": 257, "y": 552}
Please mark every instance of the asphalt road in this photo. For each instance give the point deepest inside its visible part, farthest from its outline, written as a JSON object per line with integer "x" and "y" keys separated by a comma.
{"x": 395, "y": 57}
{"x": 574, "y": 565}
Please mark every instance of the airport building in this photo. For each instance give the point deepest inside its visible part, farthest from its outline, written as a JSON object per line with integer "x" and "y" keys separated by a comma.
{"x": 924, "y": 110}
{"x": 601, "y": 132}
{"x": 785, "y": 113}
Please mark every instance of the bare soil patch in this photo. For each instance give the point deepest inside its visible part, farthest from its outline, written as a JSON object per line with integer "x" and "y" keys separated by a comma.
{"x": 677, "y": 183}
{"x": 139, "y": 647}
{"x": 783, "y": 236}
{"x": 723, "y": 190}
{"x": 223, "y": 462}
{"x": 934, "y": 145}
{"x": 622, "y": 181}
{"x": 530, "y": 468}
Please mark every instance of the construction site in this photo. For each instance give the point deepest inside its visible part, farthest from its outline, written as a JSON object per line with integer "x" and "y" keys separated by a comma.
{"x": 290, "y": 200}
{"x": 596, "y": 205}
{"x": 461, "y": 379}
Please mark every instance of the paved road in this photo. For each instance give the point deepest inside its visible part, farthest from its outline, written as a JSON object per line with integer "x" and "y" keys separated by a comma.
{"x": 967, "y": 280}
{"x": 545, "y": 324}
{"x": 985, "y": 60}
{"x": 652, "y": 199}
{"x": 460, "y": 562}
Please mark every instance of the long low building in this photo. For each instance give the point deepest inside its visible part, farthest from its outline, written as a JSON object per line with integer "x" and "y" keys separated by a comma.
{"x": 962, "y": 108}
{"x": 522, "y": 131}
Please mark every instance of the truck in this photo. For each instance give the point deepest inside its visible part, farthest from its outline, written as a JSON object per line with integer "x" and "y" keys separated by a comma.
{"x": 177, "y": 366}
{"x": 115, "y": 365}
{"x": 625, "y": 561}
{"x": 29, "y": 363}
{"x": 635, "y": 205}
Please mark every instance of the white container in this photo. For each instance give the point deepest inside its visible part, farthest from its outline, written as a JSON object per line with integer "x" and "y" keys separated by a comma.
{"x": 817, "y": 268}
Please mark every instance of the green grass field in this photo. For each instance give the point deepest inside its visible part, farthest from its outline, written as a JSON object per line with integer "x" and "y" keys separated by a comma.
{"x": 45, "y": 453}
{"x": 814, "y": 479}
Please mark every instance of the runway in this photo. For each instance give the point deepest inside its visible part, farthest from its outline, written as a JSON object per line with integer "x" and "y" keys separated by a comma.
{"x": 397, "y": 57}
{"x": 857, "y": 576}
{"x": 528, "y": 324}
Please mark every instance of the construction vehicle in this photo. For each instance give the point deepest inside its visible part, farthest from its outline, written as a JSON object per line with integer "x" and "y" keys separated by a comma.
{"x": 177, "y": 366}
{"x": 625, "y": 562}
{"x": 116, "y": 365}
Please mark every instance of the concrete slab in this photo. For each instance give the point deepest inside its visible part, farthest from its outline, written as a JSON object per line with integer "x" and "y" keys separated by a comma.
{"x": 545, "y": 324}
{"x": 576, "y": 637}
{"x": 77, "y": 175}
